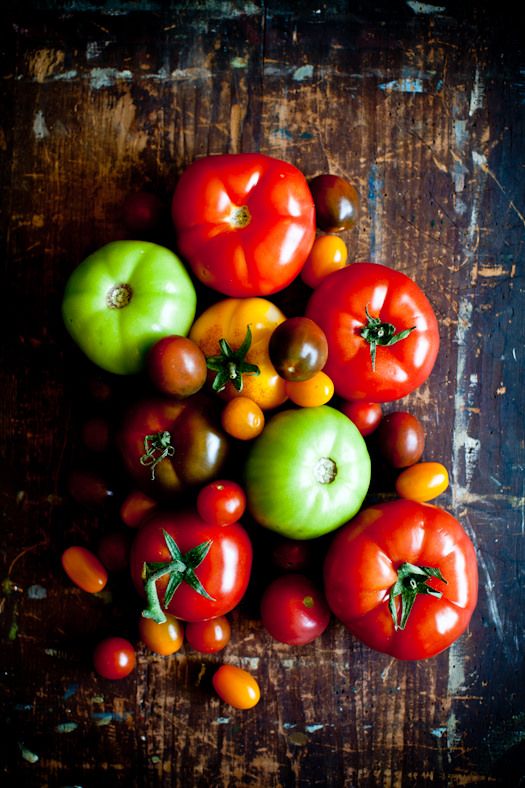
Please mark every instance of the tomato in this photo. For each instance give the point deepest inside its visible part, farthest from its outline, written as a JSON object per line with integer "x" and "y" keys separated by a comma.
{"x": 382, "y": 333}
{"x": 401, "y": 439}
{"x": 169, "y": 446}
{"x": 208, "y": 637}
{"x": 293, "y": 555}
{"x": 242, "y": 367}
{"x": 236, "y": 687}
{"x": 84, "y": 569}
{"x": 123, "y": 298}
{"x": 365, "y": 415}
{"x": 298, "y": 349}
{"x": 293, "y": 610}
{"x": 221, "y": 502}
{"x": 402, "y": 577}
{"x": 135, "y": 507}
{"x": 143, "y": 212}
{"x": 242, "y": 418}
{"x": 329, "y": 253}
{"x": 165, "y": 638}
{"x": 317, "y": 390}
{"x": 307, "y": 473}
{"x": 336, "y": 203}
{"x": 114, "y": 658}
{"x": 89, "y": 488}
{"x": 176, "y": 366}
{"x": 113, "y": 550}
{"x": 422, "y": 481}
{"x": 245, "y": 222}
{"x": 189, "y": 568}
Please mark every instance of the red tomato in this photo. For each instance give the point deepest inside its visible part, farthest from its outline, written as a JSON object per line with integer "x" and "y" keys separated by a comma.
{"x": 165, "y": 638}
{"x": 177, "y": 366}
{"x": 114, "y": 658}
{"x": 365, "y": 415}
{"x": 84, "y": 569}
{"x": 135, "y": 507}
{"x": 113, "y": 550}
{"x": 236, "y": 687}
{"x": 245, "y": 222}
{"x": 222, "y": 502}
{"x": 293, "y": 555}
{"x": 208, "y": 637}
{"x": 293, "y": 610}
{"x": 395, "y": 555}
{"x": 188, "y": 567}
{"x": 382, "y": 333}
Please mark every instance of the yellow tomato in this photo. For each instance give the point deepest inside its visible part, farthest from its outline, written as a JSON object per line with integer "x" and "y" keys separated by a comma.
{"x": 422, "y": 481}
{"x": 317, "y": 390}
{"x": 242, "y": 418}
{"x": 329, "y": 253}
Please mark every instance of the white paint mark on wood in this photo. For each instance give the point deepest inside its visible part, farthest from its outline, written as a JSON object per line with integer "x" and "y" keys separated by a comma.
{"x": 425, "y": 8}
{"x": 40, "y": 129}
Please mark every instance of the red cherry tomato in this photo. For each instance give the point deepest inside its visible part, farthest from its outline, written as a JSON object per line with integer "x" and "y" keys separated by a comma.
{"x": 114, "y": 658}
{"x": 84, "y": 569}
{"x": 236, "y": 687}
{"x": 165, "y": 638}
{"x": 113, "y": 550}
{"x": 365, "y": 415}
{"x": 401, "y": 439}
{"x": 222, "y": 502}
{"x": 293, "y": 610}
{"x": 209, "y": 636}
{"x": 422, "y": 481}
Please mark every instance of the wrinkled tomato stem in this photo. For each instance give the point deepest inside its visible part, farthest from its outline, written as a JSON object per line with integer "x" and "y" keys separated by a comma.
{"x": 411, "y": 581}
{"x": 377, "y": 333}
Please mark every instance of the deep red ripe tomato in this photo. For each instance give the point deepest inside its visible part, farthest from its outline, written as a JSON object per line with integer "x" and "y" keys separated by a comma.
{"x": 221, "y": 502}
{"x": 208, "y": 637}
{"x": 402, "y": 577}
{"x": 336, "y": 203}
{"x": 365, "y": 415}
{"x": 401, "y": 439}
{"x": 236, "y": 687}
{"x": 245, "y": 222}
{"x": 382, "y": 333}
{"x": 177, "y": 366}
{"x": 298, "y": 349}
{"x": 113, "y": 550}
{"x": 293, "y": 610}
{"x": 293, "y": 555}
{"x": 114, "y": 658}
{"x": 143, "y": 212}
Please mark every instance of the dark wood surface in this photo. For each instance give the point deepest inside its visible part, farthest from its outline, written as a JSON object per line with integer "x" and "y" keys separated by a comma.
{"x": 422, "y": 108}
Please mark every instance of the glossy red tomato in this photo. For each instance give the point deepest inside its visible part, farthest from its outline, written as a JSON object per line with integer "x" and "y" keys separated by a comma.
{"x": 221, "y": 502}
{"x": 236, "y": 687}
{"x": 114, "y": 658}
{"x": 365, "y": 415}
{"x": 382, "y": 333}
{"x": 401, "y": 438}
{"x": 245, "y": 222}
{"x": 293, "y": 610}
{"x": 208, "y": 637}
{"x": 402, "y": 576}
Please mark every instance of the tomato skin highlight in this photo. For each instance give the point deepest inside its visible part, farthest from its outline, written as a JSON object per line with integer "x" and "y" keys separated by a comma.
{"x": 209, "y": 637}
{"x": 236, "y": 687}
{"x": 84, "y": 569}
{"x": 423, "y": 481}
{"x": 166, "y": 638}
{"x": 293, "y": 610}
{"x": 114, "y": 658}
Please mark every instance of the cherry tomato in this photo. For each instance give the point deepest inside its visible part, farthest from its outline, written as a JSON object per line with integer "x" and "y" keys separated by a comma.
{"x": 165, "y": 638}
{"x": 113, "y": 551}
{"x": 329, "y": 253}
{"x": 318, "y": 390}
{"x": 209, "y": 636}
{"x": 401, "y": 439}
{"x": 89, "y": 488}
{"x": 298, "y": 349}
{"x": 135, "y": 507}
{"x": 422, "y": 481}
{"x": 221, "y": 502}
{"x": 242, "y": 418}
{"x": 292, "y": 555}
{"x": 177, "y": 366}
{"x": 96, "y": 434}
{"x": 293, "y": 610}
{"x": 114, "y": 658}
{"x": 365, "y": 415}
{"x": 84, "y": 569}
{"x": 336, "y": 203}
{"x": 143, "y": 211}
{"x": 236, "y": 687}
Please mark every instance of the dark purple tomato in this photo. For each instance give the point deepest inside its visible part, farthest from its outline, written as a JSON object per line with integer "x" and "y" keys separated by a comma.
{"x": 336, "y": 203}
{"x": 177, "y": 366}
{"x": 401, "y": 439}
{"x": 298, "y": 349}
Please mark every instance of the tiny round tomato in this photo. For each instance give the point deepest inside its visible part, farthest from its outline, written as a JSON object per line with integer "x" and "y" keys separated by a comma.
{"x": 236, "y": 687}
{"x": 292, "y": 555}
{"x": 210, "y": 636}
{"x": 365, "y": 415}
{"x": 84, "y": 569}
{"x": 221, "y": 502}
{"x": 114, "y": 658}
{"x": 113, "y": 550}
{"x": 329, "y": 253}
{"x": 165, "y": 638}
{"x": 135, "y": 507}
{"x": 422, "y": 481}
{"x": 242, "y": 418}
{"x": 336, "y": 203}
{"x": 177, "y": 366}
{"x": 96, "y": 434}
{"x": 401, "y": 439}
{"x": 293, "y": 610}
{"x": 298, "y": 349}
{"x": 143, "y": 211}
{"x": 318, "y": 390}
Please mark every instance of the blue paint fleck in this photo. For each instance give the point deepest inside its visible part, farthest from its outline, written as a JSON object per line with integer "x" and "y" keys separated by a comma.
{"x": 303, "y": 72}
{"x": 288, "y": 725}
{"x": 439, "y": 732}
{"x": 70, "y": 690}
{"x": 37, "y": 592}
{"x": 375, "y": 191}
{"x": 404, "y": 85}
{"x": 313, "y": 728}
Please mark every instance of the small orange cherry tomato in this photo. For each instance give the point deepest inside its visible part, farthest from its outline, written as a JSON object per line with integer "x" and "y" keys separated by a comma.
{"x": 329, "y": 253}
{"x": 135, "y": 507}
{"x": 242, "y": 418}
{"x": 165, "y": 638}
{"x": 210, "y": 636}
{"x": 422, "y": 482}
{"x": 84, "y": 569}
{"x": 236, "y": 687}
{"x": 318, "y": 390}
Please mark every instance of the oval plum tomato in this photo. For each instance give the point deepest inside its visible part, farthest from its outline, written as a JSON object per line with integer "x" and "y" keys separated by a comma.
{"x": 208, "y": 637}
{"x": 165, "y": 638}
{"x": 365, "y": 415}
{"x": 401, "y": 439}
{"x": 422, "y": 481}
{"x": 402, "y": 577}
{"x": 236, "y": 687}
{"x": 221, "y": 502}
{"x": 244, "y": 222}
{"x": 317, "y": 390}
{"x": 176, "y": 366}
{"x": 143, "y": 212}
{"x": 298, "y": 349}
{"x": 336, "y": 203}
{"x": 189, "y": 568}
{"x": 84, "y": 569}
{"x": 329, "y": 253}
{"x": 382, "y": 333}
{"x": 293, "y": 610}
{"x": 242, "y": 418}
{"x": 114, "y": 658}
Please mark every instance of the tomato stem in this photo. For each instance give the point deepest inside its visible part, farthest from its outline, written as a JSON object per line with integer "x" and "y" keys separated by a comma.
{"x": 377, "y": 333}
{"x": 230, "y": 365}
{"x": 156, "y": 448}
{"x": 411, "y": 581}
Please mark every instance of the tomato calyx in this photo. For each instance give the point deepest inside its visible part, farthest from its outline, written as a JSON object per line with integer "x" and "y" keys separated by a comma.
{"x": 230, "y": 365}
{"x": 375, "y": 332}
{"x": 119, "y": 296}
{"x": 157, "y": 447}
{"x": 411, "y": 581}
{"x": 180, "y": 569}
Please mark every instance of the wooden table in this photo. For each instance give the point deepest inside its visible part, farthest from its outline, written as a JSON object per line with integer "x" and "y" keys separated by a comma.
{"x": 421, "y": 107}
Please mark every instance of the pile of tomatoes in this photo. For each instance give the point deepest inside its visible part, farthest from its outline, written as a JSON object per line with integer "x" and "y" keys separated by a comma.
{"x": 256, "y": 365}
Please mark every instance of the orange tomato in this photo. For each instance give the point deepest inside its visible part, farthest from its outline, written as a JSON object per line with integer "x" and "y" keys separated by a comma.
{"x": 236, "y": 687}
{"x": 317, "y": 390}
{"x": 165, "y": 638}
{"x": 422, "y": 481}
{"x": 135, "y": 507}
{"x": 329, "y": 253}
{"x": 84, "y": 569}
{"x": 242, "y": 418}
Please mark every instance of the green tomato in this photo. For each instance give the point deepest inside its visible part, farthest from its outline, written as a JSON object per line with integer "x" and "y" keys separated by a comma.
{"x": 308, "y": 472}
{"x": 123, "y": 298}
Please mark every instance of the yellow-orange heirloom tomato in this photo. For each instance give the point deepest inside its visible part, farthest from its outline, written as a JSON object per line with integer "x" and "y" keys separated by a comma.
{"x": 230, "y": 320}
{"x": 317, "y": 390}
{"x": 236, "y": 687}
{"x": 422, "y": 481}
{"x": 165, "y": 638}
